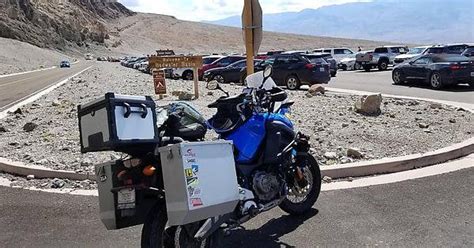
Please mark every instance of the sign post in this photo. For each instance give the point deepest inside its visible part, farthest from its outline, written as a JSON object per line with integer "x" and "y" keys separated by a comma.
{"x": 252, "y": 27}
{"x": 159, "y": 82}
{"x": 195, "y": 62}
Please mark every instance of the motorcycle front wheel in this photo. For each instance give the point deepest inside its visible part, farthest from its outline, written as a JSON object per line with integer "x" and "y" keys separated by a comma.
{"x": 155, "y": 235}
{"x": 301, "y": 199}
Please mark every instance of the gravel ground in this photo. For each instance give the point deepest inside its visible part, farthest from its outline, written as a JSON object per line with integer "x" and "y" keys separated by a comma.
{"x": 405, "y": 127}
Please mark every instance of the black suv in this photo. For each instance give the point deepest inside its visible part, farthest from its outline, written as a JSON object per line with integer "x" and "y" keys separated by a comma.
{"x": 294, "y": 70}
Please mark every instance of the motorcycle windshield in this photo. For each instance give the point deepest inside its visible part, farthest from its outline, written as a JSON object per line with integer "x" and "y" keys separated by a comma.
{"x": 254, "y": 81}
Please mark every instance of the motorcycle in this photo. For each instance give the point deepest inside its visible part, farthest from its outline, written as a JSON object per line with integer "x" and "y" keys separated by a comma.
{"x": 273, "y": 164}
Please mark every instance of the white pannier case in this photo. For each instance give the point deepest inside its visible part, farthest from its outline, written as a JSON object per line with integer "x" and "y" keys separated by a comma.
{"x": 200, "y": 180}
{"x": 117, "y": 123}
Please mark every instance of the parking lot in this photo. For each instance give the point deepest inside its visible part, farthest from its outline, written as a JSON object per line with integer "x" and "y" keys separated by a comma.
{"x": 381, "y": 81}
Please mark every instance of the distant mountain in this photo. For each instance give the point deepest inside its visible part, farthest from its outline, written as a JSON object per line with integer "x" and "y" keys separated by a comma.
{"x": 412, "y": 21}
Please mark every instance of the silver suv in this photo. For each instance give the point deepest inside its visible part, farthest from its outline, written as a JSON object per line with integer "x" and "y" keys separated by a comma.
{"x": 381, "y": 58}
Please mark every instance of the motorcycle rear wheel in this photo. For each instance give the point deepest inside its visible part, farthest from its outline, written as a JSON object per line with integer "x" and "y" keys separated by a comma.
{"x": 308, "y": 196}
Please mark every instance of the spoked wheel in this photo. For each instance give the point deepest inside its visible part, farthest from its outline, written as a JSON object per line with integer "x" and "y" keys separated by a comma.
{"x": 435, "y": 81}
{"x": 219, "y": 78}
{"x": 301, "y": 198}
{"x": 397, "y": 77}
{"x": 293, "y": 82}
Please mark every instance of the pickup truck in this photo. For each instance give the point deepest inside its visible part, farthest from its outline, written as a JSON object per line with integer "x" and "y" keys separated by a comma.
{"x": 381, "y": 57}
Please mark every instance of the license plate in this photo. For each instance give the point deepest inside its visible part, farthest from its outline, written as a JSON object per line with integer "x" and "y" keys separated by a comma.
{"x": 126, "y": 198}
{"x": 321, "y": 69}
{"x": 472, "y": 74}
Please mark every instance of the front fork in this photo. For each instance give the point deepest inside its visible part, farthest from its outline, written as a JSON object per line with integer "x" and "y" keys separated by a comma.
{"x": 299, "y": 155}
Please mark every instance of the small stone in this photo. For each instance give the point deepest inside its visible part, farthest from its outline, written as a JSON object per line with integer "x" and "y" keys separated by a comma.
{"x": 460, "y": 109}
{"x": 30, "y": 126}
{"x": 14, "y": 143}
{"x": 3, "y": 129}
{"x": 452, "y": 121}
{"x": 369, "y": 105}
{"x": 185, "y": 96}
{"x": 210, "y": 93}
{"x": 427, "y": 131}
{"x": 330, "y": 155}
{"x": 392, "y": 116}
{"x": 308, "y": 95}
{"x": 315, "y": 89}
{"x": 354, "y": 153}
{"x": 423, "y": 125}
{"x": 346, "y": 160}
{"x": 57, "y": 183}
{"x": 30, "y": 177}
{"x": 436, "y": 106}
{"x": 86, "y": 162}
{"x": 353, "y": 121}
{"x": 56, "y": 103}
{"x": 345, "y": 125}
{"x": 350, "y": 179}
{"x": 18, "y": 111}
{"x": 327, "y": 179}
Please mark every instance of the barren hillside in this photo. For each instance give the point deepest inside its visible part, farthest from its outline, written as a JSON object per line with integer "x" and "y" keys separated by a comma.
{"x": 145, "y": 33}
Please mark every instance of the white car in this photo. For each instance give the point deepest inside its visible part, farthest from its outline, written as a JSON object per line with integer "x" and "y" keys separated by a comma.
{"x": 348, "y": 64}
{"x": 187, "y": 73}
{"x": 337, "y": 53}
{"x": 412, "y": 53}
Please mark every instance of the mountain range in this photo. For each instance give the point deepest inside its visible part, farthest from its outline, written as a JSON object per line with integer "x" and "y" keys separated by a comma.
{"x": 407, "y": 21}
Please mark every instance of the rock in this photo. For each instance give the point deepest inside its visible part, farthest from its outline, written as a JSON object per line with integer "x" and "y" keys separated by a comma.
{"x": 460, "y": 109}
{"x": 86, "y": 162}
{"x": 354, "y": 153}
{"x": 330, "y": 155}
{"x": 210, "y": 93}
{"x": 57, "y": 183}
{"x": 114, "y": 157}
{"x": 350, "y": 179}
{"x": 345, "y": 125}
{"x": 13, "y": 143}
{"x": 18, "y": 111}
{"x": 185, "y": 96}
{"x": 177, "y": 93}
{"x": 423, "y": 125}
{"x": 3, "y": 129}
{"x": 452, "y": 121}
{"x": 30, "y": 177}
{"x": 308, "y": 95}
{"x": 315, "y": 89}
{"x": 56, "y": 103}
{"x": 428, "y": 131}
{"x": 392, "y": 115}
{"x": 353, "y": 121}
{"x": 30, "y": 126}
{"x": 346, "y": 160}
{"x": 436, "y": 106}
{"x": 327, "y": 179}
{"x": 369, "y": 105}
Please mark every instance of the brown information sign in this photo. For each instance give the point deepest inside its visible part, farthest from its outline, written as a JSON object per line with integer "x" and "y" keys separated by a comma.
{"x": 176, "y": 62}
{"x": 159, "y": 81}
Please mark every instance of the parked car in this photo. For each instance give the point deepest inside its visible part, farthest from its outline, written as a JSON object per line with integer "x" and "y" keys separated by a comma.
{"x": 230, "y": 73}
{"x": 469, "y": 52}
{"x": 101, "y": 59}
{"x": 337, "y": 53}
{"x": 447, "y": 49}
{"x": 138, "y": 62}
{"x": 222, "y": 62}
{"x": 65, "y": 64}
{"x": 187, "y": 73}
{"x": 381, "y": 58}
{"x": 144, "y": 67}
{"x": 88, "y": 56}
{"x": 437, "y": 70}
{"x": 349, "y": 64}
{"x": 294, "y": 70}
{"x": 295, "y": 51}
{"x": 329, "y": 59}
{"x": 413, "y": 53}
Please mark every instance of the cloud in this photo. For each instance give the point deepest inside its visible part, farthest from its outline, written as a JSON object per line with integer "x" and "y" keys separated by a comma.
{"x": 196, "y": 10}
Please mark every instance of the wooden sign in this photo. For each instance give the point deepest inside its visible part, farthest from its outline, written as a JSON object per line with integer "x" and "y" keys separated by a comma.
{"x": 159, "y": 82}
{"x": 164, "y": 52}
{"x": 195, "y": 62}
{"x": 159, "y": 62}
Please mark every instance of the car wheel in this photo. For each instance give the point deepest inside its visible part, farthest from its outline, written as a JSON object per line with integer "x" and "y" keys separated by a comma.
{"x": 383, "y": 65}
{"x": 356, "y": 67}
{"x": 435, "y": 81}
{"x": 188, "y": 75}
{"x": 219, "y": 78}
{"x": 471, "y": 84}
{"x": 398, "y": 77}
{"x": 367, "y": 68}
{"x": 344, "y": 67}
{"x": 333, "y": 74}
{"x": 293, "y": 82}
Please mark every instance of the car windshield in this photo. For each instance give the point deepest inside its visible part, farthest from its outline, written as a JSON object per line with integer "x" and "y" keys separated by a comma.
{"x": 239, "y": 64}
{"x": 209, "y": 60}
{"x": 315, "y": 59}
{"x": 269, "y": 61}
{"x": 435, "y": 50}
{"x": 416, "y": 50}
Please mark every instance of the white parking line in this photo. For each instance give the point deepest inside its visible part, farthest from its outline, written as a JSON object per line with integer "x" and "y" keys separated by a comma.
{"x": 36, "y": 95}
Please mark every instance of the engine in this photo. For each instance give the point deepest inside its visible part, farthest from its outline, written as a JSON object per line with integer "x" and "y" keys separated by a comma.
{"x": 267, "y": 186}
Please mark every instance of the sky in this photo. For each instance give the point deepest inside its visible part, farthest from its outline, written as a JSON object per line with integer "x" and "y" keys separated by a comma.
{"x": 210, "y": 10}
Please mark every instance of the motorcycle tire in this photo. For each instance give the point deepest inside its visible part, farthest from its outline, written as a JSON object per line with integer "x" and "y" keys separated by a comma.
{"x": 153, "y": 231}
{"x": 311, "y": 197}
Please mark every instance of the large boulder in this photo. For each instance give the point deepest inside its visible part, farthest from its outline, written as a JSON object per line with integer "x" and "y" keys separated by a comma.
{"x": 369, "y": 105}
{"x": 316, "y": 89}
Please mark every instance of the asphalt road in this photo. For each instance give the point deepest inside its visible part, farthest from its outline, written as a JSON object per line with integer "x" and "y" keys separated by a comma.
{"x": 15, "y": 88}
{"x": 430, "y": 212}
{"x": 376, "y": 81}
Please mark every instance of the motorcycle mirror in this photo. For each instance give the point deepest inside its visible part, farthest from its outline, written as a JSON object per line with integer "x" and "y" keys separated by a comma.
{"x": 268, "y": 72}
{"x": 212, "y": 85}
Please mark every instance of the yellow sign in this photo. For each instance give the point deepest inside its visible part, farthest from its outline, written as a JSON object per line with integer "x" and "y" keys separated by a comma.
{"x": 159, "y": 62}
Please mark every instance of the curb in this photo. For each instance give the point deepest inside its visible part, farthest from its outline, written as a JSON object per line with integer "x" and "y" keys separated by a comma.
{"x": 358, "y": 169}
